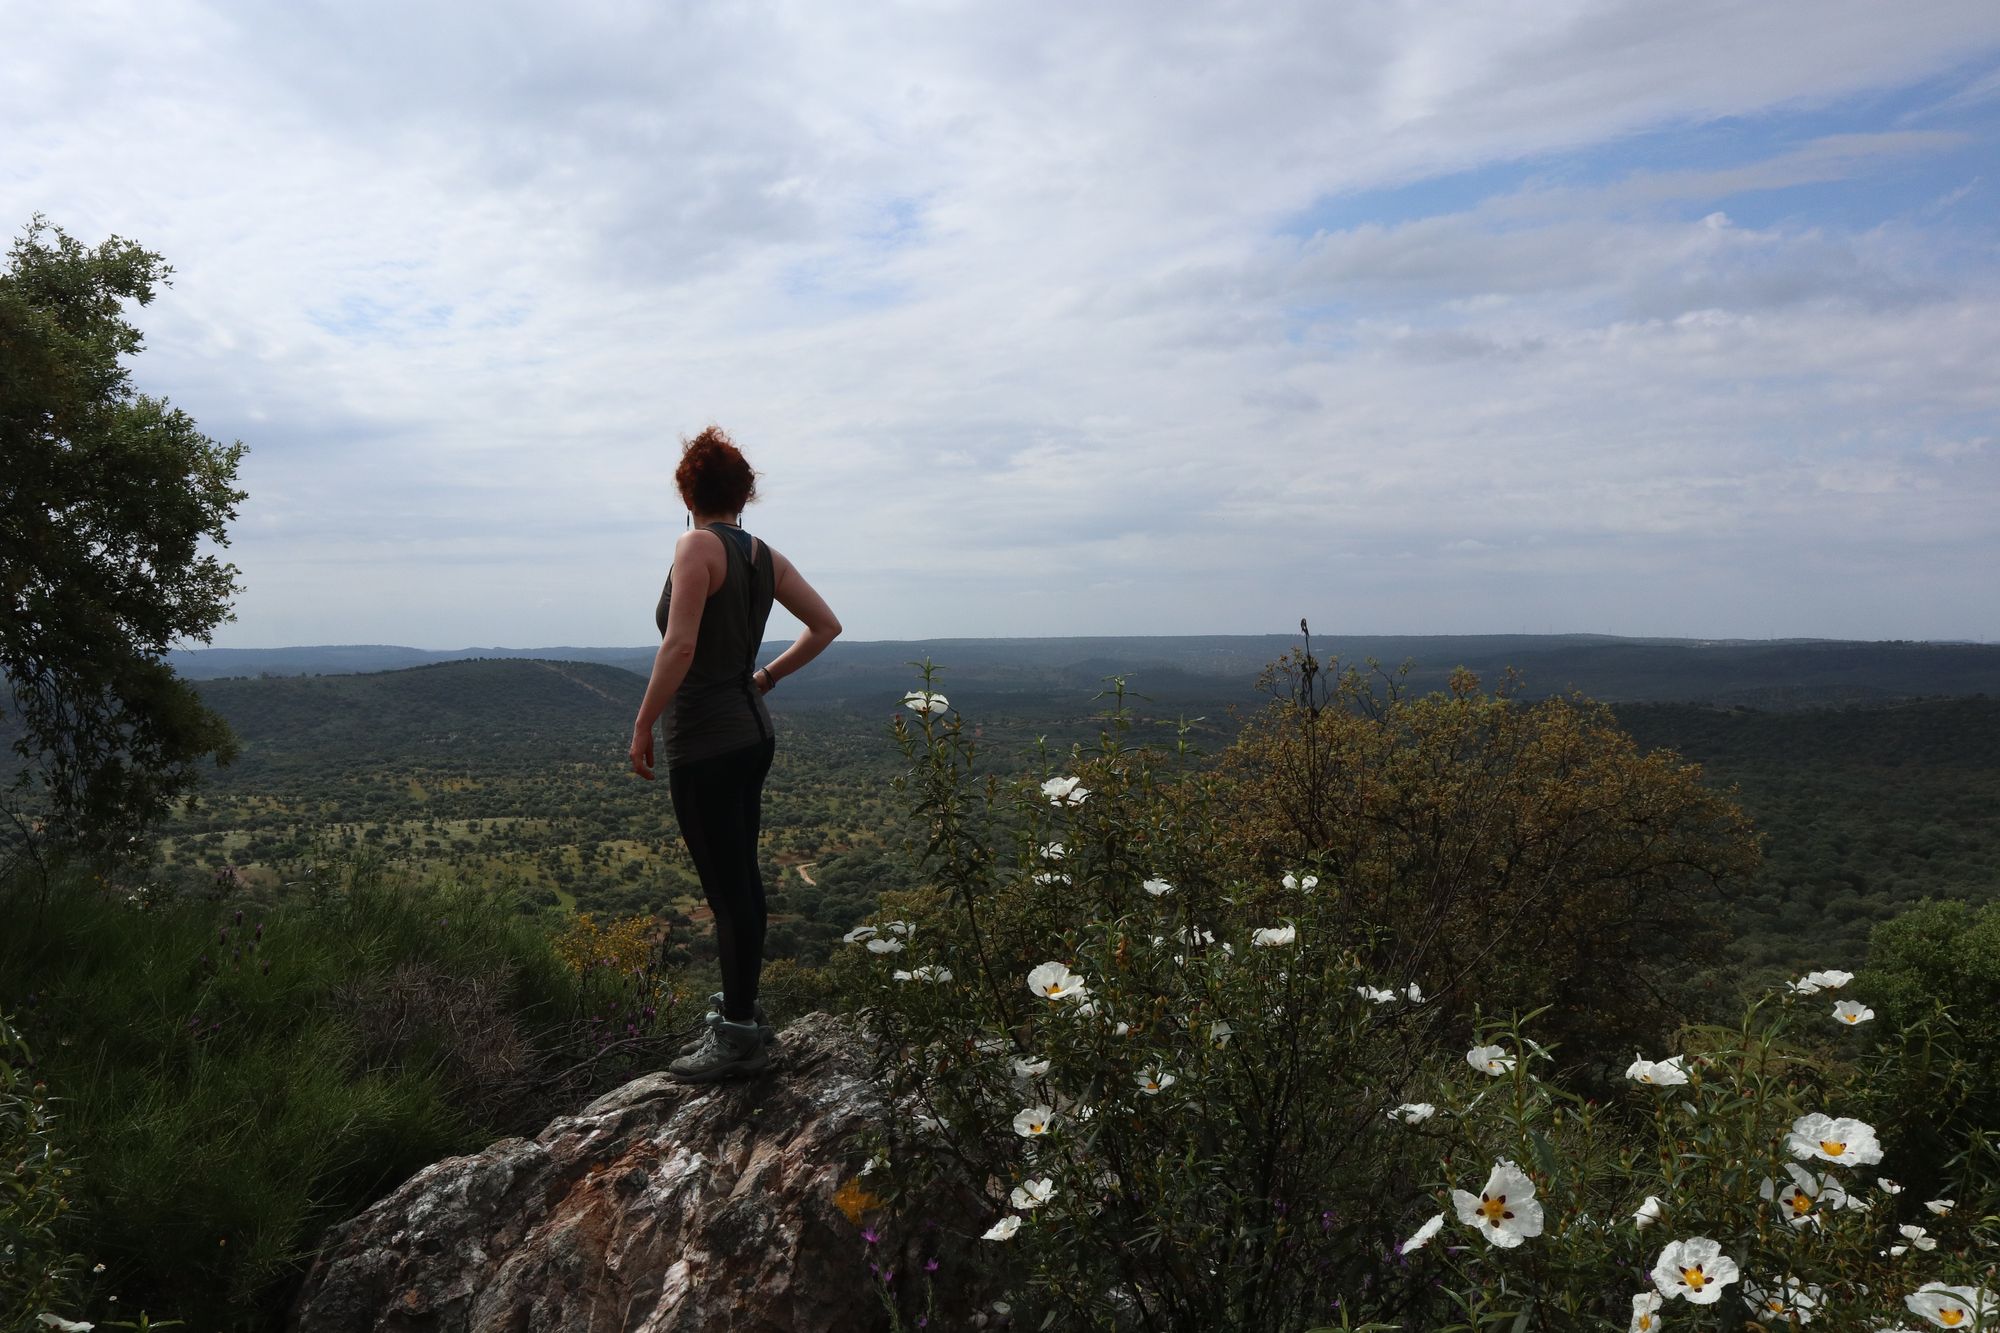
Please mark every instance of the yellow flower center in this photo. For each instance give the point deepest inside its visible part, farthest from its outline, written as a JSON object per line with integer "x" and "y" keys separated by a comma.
{"x": 1494, "y": 1209}
{"x": 1831, "y": 1148}
{"x": 1801, "y": 1203}
{"x": 1694, "y": 1277}
{"x": 1645, "y": 1322}
{"x": 1950, "y": 1316}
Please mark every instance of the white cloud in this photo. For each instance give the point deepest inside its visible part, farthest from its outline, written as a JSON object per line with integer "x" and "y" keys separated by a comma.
{"x": 1003, "y": 303}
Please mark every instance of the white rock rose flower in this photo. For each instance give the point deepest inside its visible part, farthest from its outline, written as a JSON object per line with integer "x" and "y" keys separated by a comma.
{"x": 1791, "y": 1301}
{"x": 1053, "y": 981}
{"x": 1054, "y": 851}
{"x": 1413, "y": 993}
{"x": 1004, "y": 1229}
{"x": 881, "y": 945}
{"x": 1646, "y": 1312}
{"x": 1219, "y": 1034}
{"x": 1412, "y": 1113}
{"x": 1492, "y": 1060}
{"x": 1696, "y": 1270}
{"x": 1270, "y": 937}
{"x": 1806, "y": 1192}
{"x": 1026, "y": 1068}
{"x": 1647, "y": 1213}
{"x": 1033, "y": 1122}
{"x": 1159, "y": 888}
{"x": 1668, "y": 1073}
{"x": 1852, "y": 1012}
{"x": 858, "y": 934}
{"x": 1914, "y": 1238}
{"x": 1423, "y": 1234}
{"x": 1506, "y": 1211}
{"x": 1375, "y": 994}
{"x": 1848, "y": 1142}
{"x": 1065, "y": 791}
{"x": 1942, "y": 1207}
{"x": 1152, "y": 1081}
{"x": 1030, "y": 1194}
{"x": 931, "y": 972}
{"x": 1953, "y": 1307}
{"x": 924, "y": 701}
{"x": 1831, "y": 979}
{"x": 1290, "y": 881}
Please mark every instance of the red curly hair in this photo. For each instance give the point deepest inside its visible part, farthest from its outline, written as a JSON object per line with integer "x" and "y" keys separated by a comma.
{"x": 714, "y": 476}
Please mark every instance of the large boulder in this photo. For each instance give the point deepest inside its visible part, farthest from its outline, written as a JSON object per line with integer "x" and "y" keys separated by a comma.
{"x": 661, "y": 1207}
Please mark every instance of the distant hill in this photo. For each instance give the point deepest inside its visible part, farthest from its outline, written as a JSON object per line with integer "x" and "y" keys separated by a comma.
{"x": 427, "y": 713}
{"x": 1203, "y": 670}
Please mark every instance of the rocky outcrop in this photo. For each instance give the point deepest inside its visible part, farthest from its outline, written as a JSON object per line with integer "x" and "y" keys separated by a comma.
{"x": 659, "y": 1207}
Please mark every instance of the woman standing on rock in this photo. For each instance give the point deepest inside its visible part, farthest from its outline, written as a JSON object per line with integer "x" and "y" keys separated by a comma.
{"x": 708, "y": 692}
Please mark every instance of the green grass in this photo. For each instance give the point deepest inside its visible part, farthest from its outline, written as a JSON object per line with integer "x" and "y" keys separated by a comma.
{"x": 227, "y": 1095}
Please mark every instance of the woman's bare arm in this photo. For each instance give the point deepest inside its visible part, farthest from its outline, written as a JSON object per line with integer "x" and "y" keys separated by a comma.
{"x": 692, "y": 577}
{"x": 802, "y": 600}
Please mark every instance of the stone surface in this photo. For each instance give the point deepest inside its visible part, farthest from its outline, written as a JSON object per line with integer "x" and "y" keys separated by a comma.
{"x": 660, "y": 1208}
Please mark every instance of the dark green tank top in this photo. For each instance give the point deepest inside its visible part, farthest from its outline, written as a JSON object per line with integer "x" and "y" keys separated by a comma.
{"x": 717, "y": 708}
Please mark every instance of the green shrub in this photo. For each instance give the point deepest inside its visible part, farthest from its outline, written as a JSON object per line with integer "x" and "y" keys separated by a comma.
{"x": 1175, "y": 1097}
{"x": 37, "y": 1271}
{"x": 1933, "y": 972}
{"x": 240, "y": 1074}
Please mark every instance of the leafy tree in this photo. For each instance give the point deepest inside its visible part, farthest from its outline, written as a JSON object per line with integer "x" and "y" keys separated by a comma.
{"x": 105, "y": 500}
{"x": 1527, "y": 854}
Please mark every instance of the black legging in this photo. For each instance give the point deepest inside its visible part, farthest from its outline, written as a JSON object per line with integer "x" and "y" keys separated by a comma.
{"x": 720, "y": 805}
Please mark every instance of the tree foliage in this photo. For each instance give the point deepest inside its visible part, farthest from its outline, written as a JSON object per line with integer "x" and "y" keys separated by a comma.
{"x": 106, "y": 499}
{"x": 1527, "y": 849}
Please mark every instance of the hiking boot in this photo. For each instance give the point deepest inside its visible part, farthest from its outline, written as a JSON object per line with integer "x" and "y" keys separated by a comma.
{"x": 726, "y": 1050}
{"x": 762, "y": 1019}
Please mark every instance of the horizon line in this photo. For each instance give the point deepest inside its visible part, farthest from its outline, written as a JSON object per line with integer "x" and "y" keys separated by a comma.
{"x": 1696, "y": 640}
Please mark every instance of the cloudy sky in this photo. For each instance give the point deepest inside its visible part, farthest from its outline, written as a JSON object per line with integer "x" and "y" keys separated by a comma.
{"x": 1053, "y": 319}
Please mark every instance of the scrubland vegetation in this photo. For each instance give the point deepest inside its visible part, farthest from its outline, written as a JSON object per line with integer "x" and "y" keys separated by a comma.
{"x": 1232, "y": 919}
{"x": 1338, "y": 1035}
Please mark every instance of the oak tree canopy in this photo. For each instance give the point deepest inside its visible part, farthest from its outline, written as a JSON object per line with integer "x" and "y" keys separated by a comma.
{"x": 108, "y": 499}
